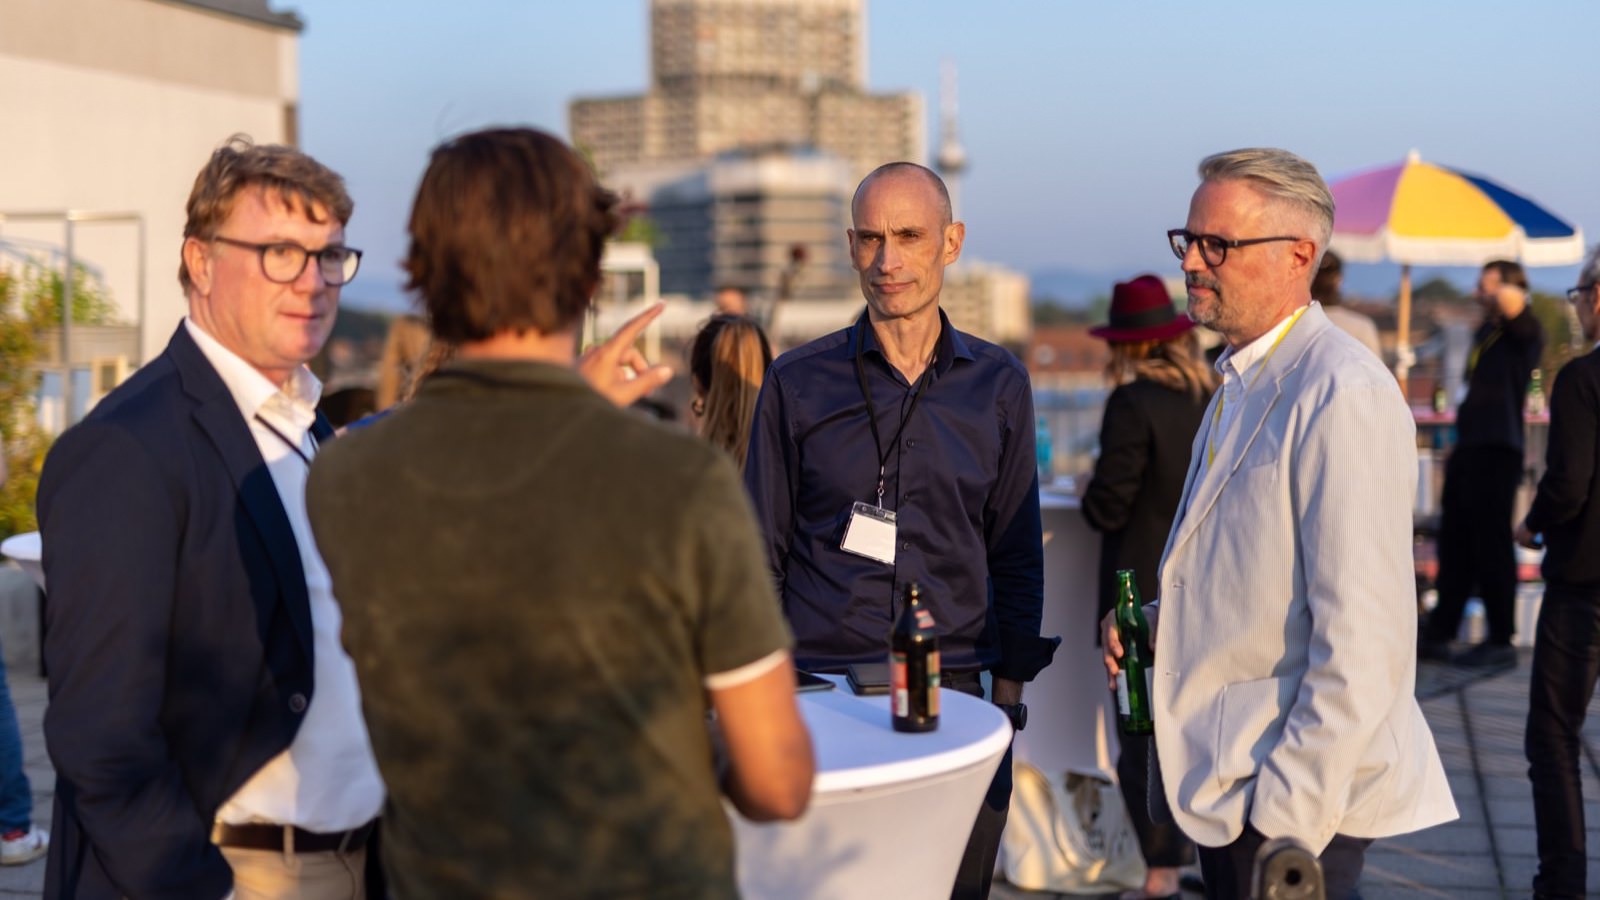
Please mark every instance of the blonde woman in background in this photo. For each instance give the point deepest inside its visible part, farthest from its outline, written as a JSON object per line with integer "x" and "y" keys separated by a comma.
{"x": 727, "y": 361}
{"x": 1160, "y": 388}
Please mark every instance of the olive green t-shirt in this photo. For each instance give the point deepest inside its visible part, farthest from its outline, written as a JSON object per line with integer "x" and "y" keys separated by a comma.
{"x": 535, "y": 585}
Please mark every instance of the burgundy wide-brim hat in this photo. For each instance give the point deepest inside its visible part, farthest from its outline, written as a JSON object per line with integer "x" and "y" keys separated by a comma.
{"x": 1141, "y": 310}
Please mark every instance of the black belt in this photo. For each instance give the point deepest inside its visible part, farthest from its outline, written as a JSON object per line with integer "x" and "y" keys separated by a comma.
{"x": 290, "y": 838}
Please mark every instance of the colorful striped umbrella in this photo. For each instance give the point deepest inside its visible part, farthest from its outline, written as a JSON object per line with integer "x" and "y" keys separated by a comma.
{"x": 1419, "y": 213}
{"x": 1426, "y": 214}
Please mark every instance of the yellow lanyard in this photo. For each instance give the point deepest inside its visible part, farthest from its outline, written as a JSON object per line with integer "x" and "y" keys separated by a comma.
{"x": 1222, "y": 396}
{"x": 1479, "y": 349}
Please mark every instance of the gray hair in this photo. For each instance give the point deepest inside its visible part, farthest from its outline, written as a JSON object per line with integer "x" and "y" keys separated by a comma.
{"x": 1281, "y": 175}
{"x": 1590, "y": 273}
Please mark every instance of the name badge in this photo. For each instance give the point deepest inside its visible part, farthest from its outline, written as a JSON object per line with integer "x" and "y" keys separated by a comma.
{"x": 870, "y": 533}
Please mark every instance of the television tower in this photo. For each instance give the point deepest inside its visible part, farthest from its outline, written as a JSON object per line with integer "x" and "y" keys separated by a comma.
{"x": 952, "y": 159}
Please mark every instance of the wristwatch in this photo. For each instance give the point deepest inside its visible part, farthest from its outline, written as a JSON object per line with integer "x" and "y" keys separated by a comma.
{"x": 1016, "y": 712}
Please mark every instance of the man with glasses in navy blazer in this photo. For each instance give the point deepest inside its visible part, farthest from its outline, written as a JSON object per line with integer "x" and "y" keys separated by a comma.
{"x": 204, "y": 721}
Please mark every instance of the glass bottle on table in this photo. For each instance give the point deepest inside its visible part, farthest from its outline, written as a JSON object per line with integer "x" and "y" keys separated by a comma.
{"x": 914, "y": 666}
{"x": 1133, "y": 669}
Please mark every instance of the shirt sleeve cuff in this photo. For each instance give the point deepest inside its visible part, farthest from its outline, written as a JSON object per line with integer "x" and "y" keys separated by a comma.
{"x": 1024, "y": 656}
{"x": 746, "y": 673}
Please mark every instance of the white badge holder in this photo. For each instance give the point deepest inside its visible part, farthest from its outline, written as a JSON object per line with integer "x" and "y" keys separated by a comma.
{"x": 870, "y": 533}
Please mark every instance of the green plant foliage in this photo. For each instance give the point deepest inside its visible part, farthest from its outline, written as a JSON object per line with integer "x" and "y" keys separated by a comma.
{"x": 30, "y": 301}
{"x": 41, "y": 289}
{"x": 1436, "y": 288}
{"x": 1551, "y": 311}
{"x": 640, "y": 228}
{"x": 21, "y": 440}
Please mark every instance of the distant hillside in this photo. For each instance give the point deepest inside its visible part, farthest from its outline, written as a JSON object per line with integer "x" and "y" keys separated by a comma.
{"x": 361, "y": 326}
{"x": 1073, "y": 288}
{"x": 1078, "y": 289}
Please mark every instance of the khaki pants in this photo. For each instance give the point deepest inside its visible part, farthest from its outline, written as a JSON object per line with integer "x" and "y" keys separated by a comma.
{"x": 273, "y": 875}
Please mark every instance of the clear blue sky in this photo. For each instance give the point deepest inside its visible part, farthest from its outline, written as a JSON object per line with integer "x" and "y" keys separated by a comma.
{"x": 1083, "y": 119}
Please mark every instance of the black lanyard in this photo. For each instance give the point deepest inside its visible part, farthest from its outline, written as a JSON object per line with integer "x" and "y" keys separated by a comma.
{"x": 291, "y": 444}
{"x": 872, "y": 414}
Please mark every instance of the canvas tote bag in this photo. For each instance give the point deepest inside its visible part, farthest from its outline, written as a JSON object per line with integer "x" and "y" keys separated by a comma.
{"x": 1069, "y": 834}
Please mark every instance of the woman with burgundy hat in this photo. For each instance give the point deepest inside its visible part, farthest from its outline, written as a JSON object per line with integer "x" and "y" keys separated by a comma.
{"x": 1161, "y": 386}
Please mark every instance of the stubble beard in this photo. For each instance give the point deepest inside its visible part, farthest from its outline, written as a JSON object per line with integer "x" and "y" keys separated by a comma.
{"x": 1211, "y": 315}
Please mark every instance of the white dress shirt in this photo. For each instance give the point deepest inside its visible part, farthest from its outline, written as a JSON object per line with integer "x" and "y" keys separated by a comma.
{"x": 327, "y": 780}
{"x": 1235, "y": 366}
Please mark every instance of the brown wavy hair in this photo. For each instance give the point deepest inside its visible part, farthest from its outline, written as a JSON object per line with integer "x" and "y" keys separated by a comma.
{"x": 506, "y": 235}
{"x": 1175, "y": 363}
{"x": 240, "y": 164}
{"x": 727, "y": 362}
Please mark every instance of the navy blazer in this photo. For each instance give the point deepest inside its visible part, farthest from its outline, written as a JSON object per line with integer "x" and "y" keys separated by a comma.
{"x": 177, "y": 631}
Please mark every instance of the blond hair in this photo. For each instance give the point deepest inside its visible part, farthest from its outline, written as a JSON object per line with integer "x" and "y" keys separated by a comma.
{"x": 1174, "y": 363}
{"x": 727, "y": 363}
{"x": 399, "y": 369}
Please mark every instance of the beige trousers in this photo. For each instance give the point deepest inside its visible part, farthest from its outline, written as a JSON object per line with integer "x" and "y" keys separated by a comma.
{"x": 272, "y": 875}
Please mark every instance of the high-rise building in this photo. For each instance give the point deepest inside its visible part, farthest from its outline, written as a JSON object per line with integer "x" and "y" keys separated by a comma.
{"x": 735, "y": 74}
{"x": 737, "y": 220}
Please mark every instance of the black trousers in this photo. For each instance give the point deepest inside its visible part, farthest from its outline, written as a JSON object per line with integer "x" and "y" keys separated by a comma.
{"x": 1475, "y": 546}
{"x": 1228, "y": 870}
{"x": 1566, "y": 662}
{"x": 976, "y": 874}
{"x": 1163, "y": 844}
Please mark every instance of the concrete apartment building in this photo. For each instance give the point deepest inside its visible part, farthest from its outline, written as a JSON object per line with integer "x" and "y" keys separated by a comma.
{"x": 746, "y": 146}
{"x": 733, "y": 74}
{"x": 112, "y": 106}
{"x": 735, "y": 219}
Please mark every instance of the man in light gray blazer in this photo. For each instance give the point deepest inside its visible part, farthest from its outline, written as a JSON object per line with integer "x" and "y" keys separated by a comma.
{"x": 1286, "y": 625}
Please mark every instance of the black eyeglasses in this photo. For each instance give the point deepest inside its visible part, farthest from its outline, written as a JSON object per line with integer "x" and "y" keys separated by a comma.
{"x": 1575, "y": 295}
{"x": 1213, "y": 248}
{"x": 283, "y": 262}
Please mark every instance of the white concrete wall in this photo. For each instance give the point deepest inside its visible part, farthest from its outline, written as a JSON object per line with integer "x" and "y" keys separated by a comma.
{"x": 86, "y": 125}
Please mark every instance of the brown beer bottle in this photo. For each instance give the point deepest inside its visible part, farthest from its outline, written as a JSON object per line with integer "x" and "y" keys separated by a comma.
{"x": 914, "y": 667}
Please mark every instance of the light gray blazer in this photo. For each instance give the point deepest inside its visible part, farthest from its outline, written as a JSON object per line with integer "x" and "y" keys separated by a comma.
{"x": 1286, "y": 652}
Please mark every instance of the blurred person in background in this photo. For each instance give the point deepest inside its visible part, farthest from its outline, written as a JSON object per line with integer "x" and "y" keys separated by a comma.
{"x": 1566, "y": 649}
{"x": 1477, "y": 504}
{"x": 1161, "y": 386}
{"x": 731, "y": 301}
{"x": 1325, "y": 290}
{"x": 21, "y": 841}
{"x": 405, "y": 351}
{"x": 727, "y": 361}
{"x": 538, "y": 675}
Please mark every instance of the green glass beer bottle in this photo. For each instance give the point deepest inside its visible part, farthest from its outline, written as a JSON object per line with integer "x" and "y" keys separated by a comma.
{"x": 1133, "y": 672}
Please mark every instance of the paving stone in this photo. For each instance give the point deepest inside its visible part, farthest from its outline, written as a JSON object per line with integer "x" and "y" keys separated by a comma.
{"x": 1504, "y": 811}
{"x": 1516, "y": 841}
{"x": 1518, "y": 872}
{"x": 1435, "y": 870}
{"x": 1498, "y": 787}
{"x": 1398, "y": 891}
{"x": 1463, "y": 785}
{"x": 27, "y": 880}
{"x": 1454, "y": 837}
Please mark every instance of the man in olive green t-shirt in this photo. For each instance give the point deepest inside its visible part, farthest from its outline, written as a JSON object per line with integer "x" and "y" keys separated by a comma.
{"x": 541, "y": 591}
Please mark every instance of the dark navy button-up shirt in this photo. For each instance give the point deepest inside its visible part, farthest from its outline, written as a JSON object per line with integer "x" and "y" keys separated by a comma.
{"x": 962, "y": 479}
